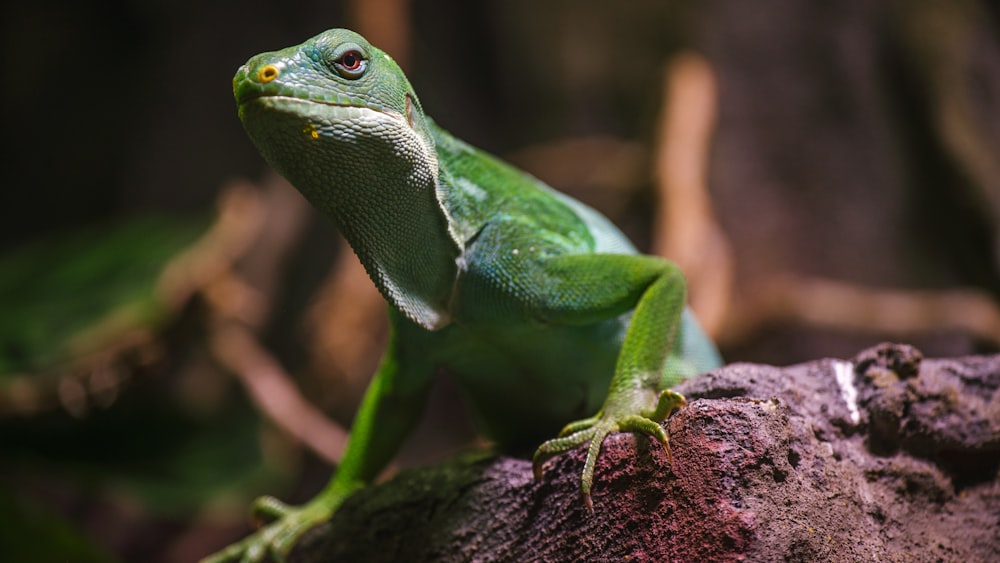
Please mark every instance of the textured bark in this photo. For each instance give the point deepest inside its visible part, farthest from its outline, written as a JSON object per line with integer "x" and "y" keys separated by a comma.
{"x": 897, "y": 461}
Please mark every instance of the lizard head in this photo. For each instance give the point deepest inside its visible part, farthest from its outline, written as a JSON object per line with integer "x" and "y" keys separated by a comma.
{"x": 337, "y": 117}
{"x": 338, "y": 103}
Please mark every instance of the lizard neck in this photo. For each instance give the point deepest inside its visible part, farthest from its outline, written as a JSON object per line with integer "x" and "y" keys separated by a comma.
{"x": 404, "y": 248}
{"x": 380, "y": 188}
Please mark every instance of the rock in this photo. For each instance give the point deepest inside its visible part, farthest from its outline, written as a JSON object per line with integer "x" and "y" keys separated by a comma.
{"x": 887, "y": 457}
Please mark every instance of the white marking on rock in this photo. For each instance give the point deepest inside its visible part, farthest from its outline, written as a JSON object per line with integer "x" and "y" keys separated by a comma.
{"x": 844, "y": 372}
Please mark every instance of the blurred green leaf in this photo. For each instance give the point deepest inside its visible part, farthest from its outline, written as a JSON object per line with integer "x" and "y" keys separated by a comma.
{"x": 147, "y": 447}
{"x": 53, "y": 290}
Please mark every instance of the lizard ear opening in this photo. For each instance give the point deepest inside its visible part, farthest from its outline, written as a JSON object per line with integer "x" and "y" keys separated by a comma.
{"x": 410, "y": 118}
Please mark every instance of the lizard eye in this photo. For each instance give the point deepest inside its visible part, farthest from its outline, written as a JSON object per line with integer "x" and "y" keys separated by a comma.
{"x": 351, "y": 64}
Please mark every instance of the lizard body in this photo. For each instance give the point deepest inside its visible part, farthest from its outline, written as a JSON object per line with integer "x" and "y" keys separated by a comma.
{"x": 538, "y": 305}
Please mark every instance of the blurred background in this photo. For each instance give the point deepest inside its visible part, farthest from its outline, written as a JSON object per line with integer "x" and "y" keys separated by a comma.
{"x": 180, "y": 332}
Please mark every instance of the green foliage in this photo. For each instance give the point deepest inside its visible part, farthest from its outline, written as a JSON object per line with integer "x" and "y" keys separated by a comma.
{"x": 54, "y": 290}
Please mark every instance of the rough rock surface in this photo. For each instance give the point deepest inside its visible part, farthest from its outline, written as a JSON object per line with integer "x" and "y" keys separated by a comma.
{"x": 883, "y": 458}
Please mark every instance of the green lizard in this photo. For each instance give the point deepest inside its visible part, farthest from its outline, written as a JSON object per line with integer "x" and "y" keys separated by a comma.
{"x": 537, "y": 304}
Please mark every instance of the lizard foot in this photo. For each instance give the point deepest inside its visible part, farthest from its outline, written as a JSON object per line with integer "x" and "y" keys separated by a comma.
{"x": 282, "y": 526}
{"x": 592, "y": 431}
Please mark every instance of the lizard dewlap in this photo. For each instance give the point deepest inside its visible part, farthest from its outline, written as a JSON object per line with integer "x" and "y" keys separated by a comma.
{"x": 540, "y": 308}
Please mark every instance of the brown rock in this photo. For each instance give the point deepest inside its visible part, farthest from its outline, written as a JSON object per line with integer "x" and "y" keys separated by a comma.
{"x": 884, "y": 458}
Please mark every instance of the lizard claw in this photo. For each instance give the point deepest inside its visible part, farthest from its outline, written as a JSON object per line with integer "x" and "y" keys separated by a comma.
{"x": 593, "y": 431}
{"x": 593, "y": 435}
{"x": 268, "y": 509}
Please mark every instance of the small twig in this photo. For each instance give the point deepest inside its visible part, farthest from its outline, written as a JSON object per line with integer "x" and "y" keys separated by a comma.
{"x": 240, "y": 301}
{"x": 686, "y": 229}
{"x": 273, "y": 391}
{"x": 386, "y": 23}
{"x": 939, "y": 39}
{"x": 844, "y": 306}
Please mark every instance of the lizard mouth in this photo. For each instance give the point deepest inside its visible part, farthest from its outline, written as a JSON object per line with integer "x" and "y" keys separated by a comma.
{"x": 279, "y": 98}
{"x": 279, "y": 101}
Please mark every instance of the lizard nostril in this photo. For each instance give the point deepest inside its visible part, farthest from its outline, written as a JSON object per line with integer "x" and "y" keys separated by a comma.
{"x": 268, "y": 73}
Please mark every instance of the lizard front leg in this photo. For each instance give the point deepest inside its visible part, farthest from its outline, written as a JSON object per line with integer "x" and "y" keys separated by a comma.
{"x": 638, "y": 398}
{"x": 390, "y": 409}
{"x": 553, "y": 287}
